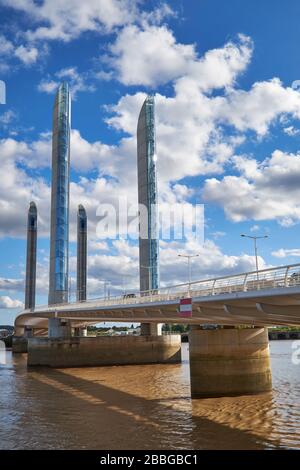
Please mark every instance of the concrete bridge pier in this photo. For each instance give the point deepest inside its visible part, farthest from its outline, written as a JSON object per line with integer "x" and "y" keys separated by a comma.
{"x": 229, "y": 361}
{"x": 61, "y": 349}
{"x": 20, "y": 343}
{"x": 28, "y": 332}
{"x": 151, "y": 329}
{"x": 59, "y": 328}
{"x": 81, "y": 331}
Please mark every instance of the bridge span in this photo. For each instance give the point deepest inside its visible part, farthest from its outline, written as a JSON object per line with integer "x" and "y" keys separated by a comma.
{"x": 232, "y": 360}
{"x": 261, "y": 298}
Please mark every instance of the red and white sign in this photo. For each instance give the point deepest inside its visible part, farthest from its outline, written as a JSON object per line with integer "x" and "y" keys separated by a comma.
{"x": 186, "y": 308}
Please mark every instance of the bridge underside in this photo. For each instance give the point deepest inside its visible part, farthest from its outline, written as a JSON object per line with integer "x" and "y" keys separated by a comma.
{"x": 264, "y": 308}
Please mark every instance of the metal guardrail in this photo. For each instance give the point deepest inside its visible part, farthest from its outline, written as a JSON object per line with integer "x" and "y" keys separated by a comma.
{"x": 272, "y": 278}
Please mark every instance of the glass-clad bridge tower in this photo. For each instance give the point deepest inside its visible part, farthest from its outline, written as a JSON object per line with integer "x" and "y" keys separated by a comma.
{"x": 81, "y": 253}
{"x": 147, "y": 197}
{"x": 59, "y": 241}
{"x": 30, "y": 281}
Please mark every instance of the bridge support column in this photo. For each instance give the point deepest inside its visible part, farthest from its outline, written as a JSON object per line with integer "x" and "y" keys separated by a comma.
{"x": 59, "y": 328}
{"x": 81, "y": 331}
{"x": 28, "y": 332}
{"x": 20, "y": 343}
{"x": 104, "y": 351}
{"x": 228, "y": 362}
{"x": 151, "y": 329}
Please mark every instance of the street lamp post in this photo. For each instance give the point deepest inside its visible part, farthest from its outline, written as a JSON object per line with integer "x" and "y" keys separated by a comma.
{"x": 124, "y": 278}
{"x": 255, "y": 238}
{"x": 70, "y": 289}
{"x": 106, "y": 287}
{"x": 189, "y": 257}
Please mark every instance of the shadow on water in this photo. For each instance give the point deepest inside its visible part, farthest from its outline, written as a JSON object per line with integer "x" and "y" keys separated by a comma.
{"x": 128, "y": 407}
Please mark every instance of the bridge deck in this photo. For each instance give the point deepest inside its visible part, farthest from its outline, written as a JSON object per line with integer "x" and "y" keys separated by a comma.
{"x": 267, "y": 297}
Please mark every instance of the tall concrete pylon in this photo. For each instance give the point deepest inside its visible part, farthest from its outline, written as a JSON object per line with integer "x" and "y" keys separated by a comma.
{"x": 60, "y": 190}
{"x": 81, "y": 253}
{"x": 30, "y": 281}
{"x": 148, "y": 209}
{"x": 147, "y": 197}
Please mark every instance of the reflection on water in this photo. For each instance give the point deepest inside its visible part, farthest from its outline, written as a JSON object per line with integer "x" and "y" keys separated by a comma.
{"x": 143, "y": 407}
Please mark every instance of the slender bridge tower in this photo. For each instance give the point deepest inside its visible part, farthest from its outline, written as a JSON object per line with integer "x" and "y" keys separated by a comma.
{"x": 147, "y": 198}
{"x": 59, "y": 241}
{"x": 31, "y": 257}
{"x": 81, "y": 253}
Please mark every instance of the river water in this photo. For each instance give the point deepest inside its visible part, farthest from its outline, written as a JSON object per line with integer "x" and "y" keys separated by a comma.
{"x": 143, "y": 407}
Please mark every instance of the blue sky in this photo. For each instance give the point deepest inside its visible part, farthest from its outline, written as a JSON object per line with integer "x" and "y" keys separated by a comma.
{"x": 228, "y": 132}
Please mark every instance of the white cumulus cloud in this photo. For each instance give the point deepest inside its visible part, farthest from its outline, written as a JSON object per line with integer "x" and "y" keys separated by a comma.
{"x": 284, "y": 253}
{"x": 262, "y": 191}
{"x": 7, "y": 302}
{"x": 67, "y": 19}
{"x": 27, "y": 55}
{"x": 150, "y": 56}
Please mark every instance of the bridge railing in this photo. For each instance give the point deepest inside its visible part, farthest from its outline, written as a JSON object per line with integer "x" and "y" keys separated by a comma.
{"x": 270, "y": 278}
{"x": 283, "y": 276}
